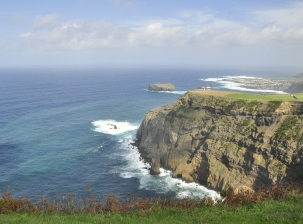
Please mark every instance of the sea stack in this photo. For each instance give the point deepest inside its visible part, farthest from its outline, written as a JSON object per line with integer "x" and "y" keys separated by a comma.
{"x": 155, "y": 165}
{"x": 161, "y": 87}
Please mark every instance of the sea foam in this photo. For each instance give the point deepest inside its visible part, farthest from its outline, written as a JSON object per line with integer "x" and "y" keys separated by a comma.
{"x": 113, "y": 127}
{"x": 164, "y": 183}
{"x": 171, "y": 92}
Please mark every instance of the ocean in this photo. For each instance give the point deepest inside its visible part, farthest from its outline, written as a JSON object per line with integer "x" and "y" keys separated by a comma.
{"x": 57, "y": 135}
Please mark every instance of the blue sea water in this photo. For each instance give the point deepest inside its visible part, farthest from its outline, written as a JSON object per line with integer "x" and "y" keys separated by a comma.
{"x": 57, "y": 136}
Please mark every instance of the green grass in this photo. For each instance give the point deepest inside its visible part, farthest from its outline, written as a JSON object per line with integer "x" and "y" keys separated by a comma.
{"x": 276, "y": 204}
{"x": 285, "y": 131}
{"x": 265, "y": 97}
{"x": 289, "y": 210}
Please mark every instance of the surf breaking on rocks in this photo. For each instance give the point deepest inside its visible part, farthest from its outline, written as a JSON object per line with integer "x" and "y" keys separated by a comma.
{"x": 137, "y": 168}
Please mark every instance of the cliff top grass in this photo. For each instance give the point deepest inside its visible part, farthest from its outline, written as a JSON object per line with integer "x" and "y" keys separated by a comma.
{"x": 286, "y": 211}
{"x": 277, "y": 204}
{"x": 250, "y": 96}
{"x": 163, "y": 84}
{"x": 162, "y": 87}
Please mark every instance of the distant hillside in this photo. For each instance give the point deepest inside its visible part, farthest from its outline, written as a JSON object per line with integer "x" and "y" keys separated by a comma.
{"x": 296, "y": 87}
{"x": 296, "y": 84}
{"x": 298, "y": 77}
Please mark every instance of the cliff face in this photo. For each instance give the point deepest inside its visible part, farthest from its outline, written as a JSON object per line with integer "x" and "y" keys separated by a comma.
{"x": 225, "y": 143}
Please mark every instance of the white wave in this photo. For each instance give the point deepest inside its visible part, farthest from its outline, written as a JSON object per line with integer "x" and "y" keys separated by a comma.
{"x": 126, "y": 175}
{"x": 163, "y": 183}
{"x": 113, "y": 127}
{"x": 212, "y": 79}
{"x": 171, "y": 92}
{"x": 239, "y": 86}
{"x": 228, "y": 77}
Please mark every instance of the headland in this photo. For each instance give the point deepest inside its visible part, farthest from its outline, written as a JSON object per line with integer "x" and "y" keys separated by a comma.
{"x": 226, "y": 140}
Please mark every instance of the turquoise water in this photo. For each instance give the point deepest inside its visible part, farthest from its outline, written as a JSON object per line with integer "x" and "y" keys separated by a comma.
{"x": 56, "y": 134}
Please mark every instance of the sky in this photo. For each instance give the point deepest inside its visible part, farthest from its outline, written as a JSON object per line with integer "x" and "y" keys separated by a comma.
{"x": 197, "y": 33}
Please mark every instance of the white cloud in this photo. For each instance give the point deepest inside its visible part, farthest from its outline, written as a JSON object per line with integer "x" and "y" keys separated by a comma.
{"x": 267, "y": 35}
{"x": 145, "y": 21}
{"x": 28, "y": 34}
{"x": 45, "y": 21}
{"x": 86, "y": 35}
{"x": 286, "y": 17}
{"x": 207, "y": 19}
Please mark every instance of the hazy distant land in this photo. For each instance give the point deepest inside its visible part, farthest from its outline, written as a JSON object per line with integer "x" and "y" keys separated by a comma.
{"x": 281, "y": 84}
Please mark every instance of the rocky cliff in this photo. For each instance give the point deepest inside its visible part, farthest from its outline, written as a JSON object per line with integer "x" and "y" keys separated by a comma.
{"x": 225, "y": 143}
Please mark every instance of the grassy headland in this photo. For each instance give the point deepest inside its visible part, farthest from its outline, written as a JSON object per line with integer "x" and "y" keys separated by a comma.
{"x": 250, "y": 96}
{"x": 267, "y": 97}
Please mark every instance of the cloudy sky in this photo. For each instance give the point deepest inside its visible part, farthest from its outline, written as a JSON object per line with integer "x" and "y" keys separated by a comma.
{"x": 151, "y": 32}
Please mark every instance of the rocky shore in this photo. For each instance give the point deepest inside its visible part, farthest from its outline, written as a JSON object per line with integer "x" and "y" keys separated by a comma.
{"x": 292, "y": 84}
{"x": 225, "y": 143}
{"x": 259, "y": 83}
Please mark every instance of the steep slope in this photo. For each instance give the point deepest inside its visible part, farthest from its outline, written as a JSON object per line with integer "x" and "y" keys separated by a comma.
{"x": 295, "y": 88}
{"x": 225, "y": 143}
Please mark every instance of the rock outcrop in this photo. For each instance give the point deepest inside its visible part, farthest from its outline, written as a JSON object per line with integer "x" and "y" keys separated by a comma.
{"x": 161, "y": 87}
{"x": 225, "y": 143}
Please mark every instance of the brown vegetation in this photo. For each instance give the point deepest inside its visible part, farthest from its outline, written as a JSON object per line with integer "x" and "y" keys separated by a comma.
{"x": 275, "y": 192}
{"x": 112, "y": 203}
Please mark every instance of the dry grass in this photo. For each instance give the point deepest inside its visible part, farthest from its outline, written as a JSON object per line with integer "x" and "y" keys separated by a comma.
{"x": 114, "y": 204}
{"x": 275, "y": 192}
{"x": 212, "y": 92}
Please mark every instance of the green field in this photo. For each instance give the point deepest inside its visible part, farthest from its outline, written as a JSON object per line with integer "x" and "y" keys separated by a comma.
{"x": 265, "y": 97}
{"x": 284, "y": 211}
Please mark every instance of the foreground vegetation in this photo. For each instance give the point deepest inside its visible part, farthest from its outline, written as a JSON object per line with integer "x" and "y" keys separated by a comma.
{"x": 286, "y": 211}
{"x": 278, "y": 204}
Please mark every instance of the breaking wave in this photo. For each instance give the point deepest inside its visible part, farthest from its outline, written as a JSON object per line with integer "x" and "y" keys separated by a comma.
{"x": 113, "y": 127}
{"x": 171, "y": 92}
{"x": 164, "y": 183}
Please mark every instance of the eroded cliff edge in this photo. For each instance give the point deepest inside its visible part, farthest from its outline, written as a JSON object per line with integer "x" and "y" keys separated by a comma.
{"x": 225, "y": 143}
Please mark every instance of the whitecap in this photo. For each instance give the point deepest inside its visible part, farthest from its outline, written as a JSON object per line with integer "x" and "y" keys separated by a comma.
{"x": 173, "y": 92}
{"x": 113, "y": 127}
{"x": 126, "y": 175}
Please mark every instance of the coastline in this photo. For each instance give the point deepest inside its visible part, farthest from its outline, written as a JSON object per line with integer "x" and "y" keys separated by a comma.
{"x": 251, "y": 84}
